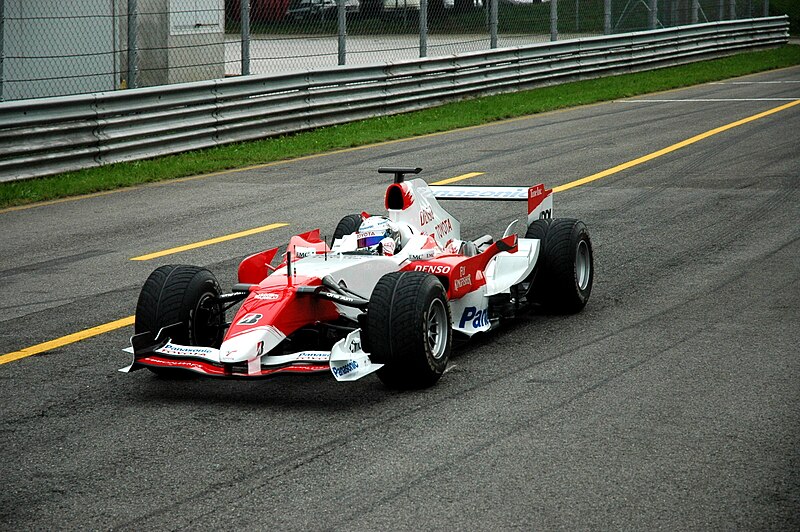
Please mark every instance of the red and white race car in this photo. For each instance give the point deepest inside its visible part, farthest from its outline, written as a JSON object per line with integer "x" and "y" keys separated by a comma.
{"x": 387, "y": 296}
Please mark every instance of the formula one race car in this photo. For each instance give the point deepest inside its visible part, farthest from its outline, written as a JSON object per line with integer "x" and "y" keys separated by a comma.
{"x": 387, "y": 295}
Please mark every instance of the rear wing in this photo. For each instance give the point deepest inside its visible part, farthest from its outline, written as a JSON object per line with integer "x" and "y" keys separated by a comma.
{"x": 540, "y": 200}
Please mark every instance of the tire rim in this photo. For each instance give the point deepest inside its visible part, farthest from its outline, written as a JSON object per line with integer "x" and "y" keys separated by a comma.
{"x": 207, "y": 319}
{"x": 437, "y": 329}
{"x": 583, "y": 265}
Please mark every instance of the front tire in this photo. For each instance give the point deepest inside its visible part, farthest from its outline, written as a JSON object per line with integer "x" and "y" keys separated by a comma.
{"x": 188, "y": 295}
{"x": 409, "y": 329}
{"x": 347, "y": 225}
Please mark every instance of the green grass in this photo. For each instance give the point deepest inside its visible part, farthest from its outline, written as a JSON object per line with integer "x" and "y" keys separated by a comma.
{"x": 443, "y": 118}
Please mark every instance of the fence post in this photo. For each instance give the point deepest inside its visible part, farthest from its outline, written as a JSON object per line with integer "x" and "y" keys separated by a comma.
{"x": 607, "y": 17}
{"x": 553, "y": 20}
{"x": 493, "y": 23}
{"x": 733, "y": 10}
{"x": 653, "y": 14}
{"x": 2, "y": 46}
{"x": 342, "y": 24}
{"x": 721, "y": 9}
{"x": 766, "y": 8}
{"x": 423, "y": 28}
{"x": 245, "y": 18}
{"x": 133, "y": 30}
{"x": 695, "y": 9}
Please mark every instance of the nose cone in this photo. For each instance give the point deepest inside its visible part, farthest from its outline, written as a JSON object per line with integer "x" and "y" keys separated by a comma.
{"x": 250, "y": 344}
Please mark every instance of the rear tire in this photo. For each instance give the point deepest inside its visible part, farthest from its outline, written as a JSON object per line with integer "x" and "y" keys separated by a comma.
{"x": 188, "y": 295}
{"x": 347, "y": 225}
{"x": 409, "y": 329}
{"x": 565, "y": 274}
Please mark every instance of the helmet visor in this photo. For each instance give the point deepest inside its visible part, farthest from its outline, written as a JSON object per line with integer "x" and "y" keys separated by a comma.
{"x": 368, "y": 240}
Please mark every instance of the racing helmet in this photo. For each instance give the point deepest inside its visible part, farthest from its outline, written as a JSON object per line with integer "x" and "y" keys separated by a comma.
{"x": 378, "y": 235}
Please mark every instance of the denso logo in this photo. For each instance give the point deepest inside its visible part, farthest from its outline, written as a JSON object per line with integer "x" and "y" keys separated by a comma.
{"x": 478, "y": 317}
{"x": 344, "y": 370}
{"x": 429, "y": 268}
{"x": 425, "y": 215}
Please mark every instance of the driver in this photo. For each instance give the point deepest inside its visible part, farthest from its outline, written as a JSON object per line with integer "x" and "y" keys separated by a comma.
{"x": 379, "y": 235}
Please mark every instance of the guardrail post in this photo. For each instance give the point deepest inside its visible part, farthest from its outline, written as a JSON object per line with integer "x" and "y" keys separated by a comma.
{"x": 342, "y": 16}
{"x": 133, "y": 30}
{"x": 423, "y": 28}
{"x": 653, "y": 14}
{"x": 493, "y": 23}
{"x": 245, "y": 18}
{"x": 607, "y": 17}
{"x": 553, "y": 20}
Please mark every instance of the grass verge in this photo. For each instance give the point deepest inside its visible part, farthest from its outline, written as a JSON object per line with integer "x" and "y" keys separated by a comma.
{"x": 443, "y": 118}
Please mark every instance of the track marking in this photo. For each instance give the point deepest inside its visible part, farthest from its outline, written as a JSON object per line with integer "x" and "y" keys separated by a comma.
{"x": 66, "y": 340}
{"x": 210, "y": 241}
{"x": 674, "y": 147}
{"x": 777, "y": 82}
{"x": 457, "y": 178}
{"x": 712, "y": 100}
{"x": 100, "y": 329}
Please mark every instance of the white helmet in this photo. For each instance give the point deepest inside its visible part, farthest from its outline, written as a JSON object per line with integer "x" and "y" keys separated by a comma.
{"x": 378, "y": 235}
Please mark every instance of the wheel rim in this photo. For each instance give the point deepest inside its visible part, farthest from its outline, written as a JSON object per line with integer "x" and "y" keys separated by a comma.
{"x": 437, "y": 329}
{"x": 207, "y": 322}
{"x": 583, "y": 265}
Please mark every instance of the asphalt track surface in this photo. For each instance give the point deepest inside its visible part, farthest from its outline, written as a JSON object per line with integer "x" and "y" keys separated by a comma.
{"x": 672, "y": 401}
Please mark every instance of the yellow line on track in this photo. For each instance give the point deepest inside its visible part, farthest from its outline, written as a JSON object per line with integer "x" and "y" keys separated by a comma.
{"x": 210, "y": 241}
{"x": 66, "y": 340}
{"x": 100, "y": 329}
{"x": 670, "y": 149}
{"x": 457, "y": 178}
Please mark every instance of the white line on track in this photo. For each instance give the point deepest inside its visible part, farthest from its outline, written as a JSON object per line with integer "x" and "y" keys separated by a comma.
{"x": 712, "y": 100}
{"x": 776, "y": 82}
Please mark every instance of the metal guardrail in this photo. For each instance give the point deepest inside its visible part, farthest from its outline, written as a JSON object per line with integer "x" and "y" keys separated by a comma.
{"x": 53, "y": 135}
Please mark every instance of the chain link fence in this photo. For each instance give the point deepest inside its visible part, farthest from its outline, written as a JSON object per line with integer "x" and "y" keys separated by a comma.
{"x": 54, "y": 48}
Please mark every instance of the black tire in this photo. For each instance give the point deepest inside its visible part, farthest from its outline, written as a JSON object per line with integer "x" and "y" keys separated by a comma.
{"x": 565, "y": 273}
{"x": 182, "y": 294}
{"x": 347, "y": 225}
{"x": 409, "y": 329}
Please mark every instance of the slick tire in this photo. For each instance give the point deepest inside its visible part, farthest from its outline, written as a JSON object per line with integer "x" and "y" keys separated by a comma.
{"x": 565, "y": 274}
{"x": 409, "y": 329}
{"x": 347, "y": 225}
{"x": 182, "y": 294}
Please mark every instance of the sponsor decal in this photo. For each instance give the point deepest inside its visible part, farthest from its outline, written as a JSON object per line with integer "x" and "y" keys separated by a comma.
{"x": 431, "y": 268}
{"x": 267, "y": 296}
{"x": 313, "y": 356}
{"x": 422, "y": 254}
{"x": 185, "y": 351}
{"x": 478, "y": 276}
{"x": 250, "y": 319}
{"x": 444, "y": 227}
{"x": 458, "y": 284}
{"x": 547, "y": 213}
{"x": 425, "y": 216}
{"x": 301, "y": 252}
{"x": 478, "y": 317}
{"x": 462, "y": 271}
{"x": 344, "y": 370}
{"x": 259, "y": 349}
